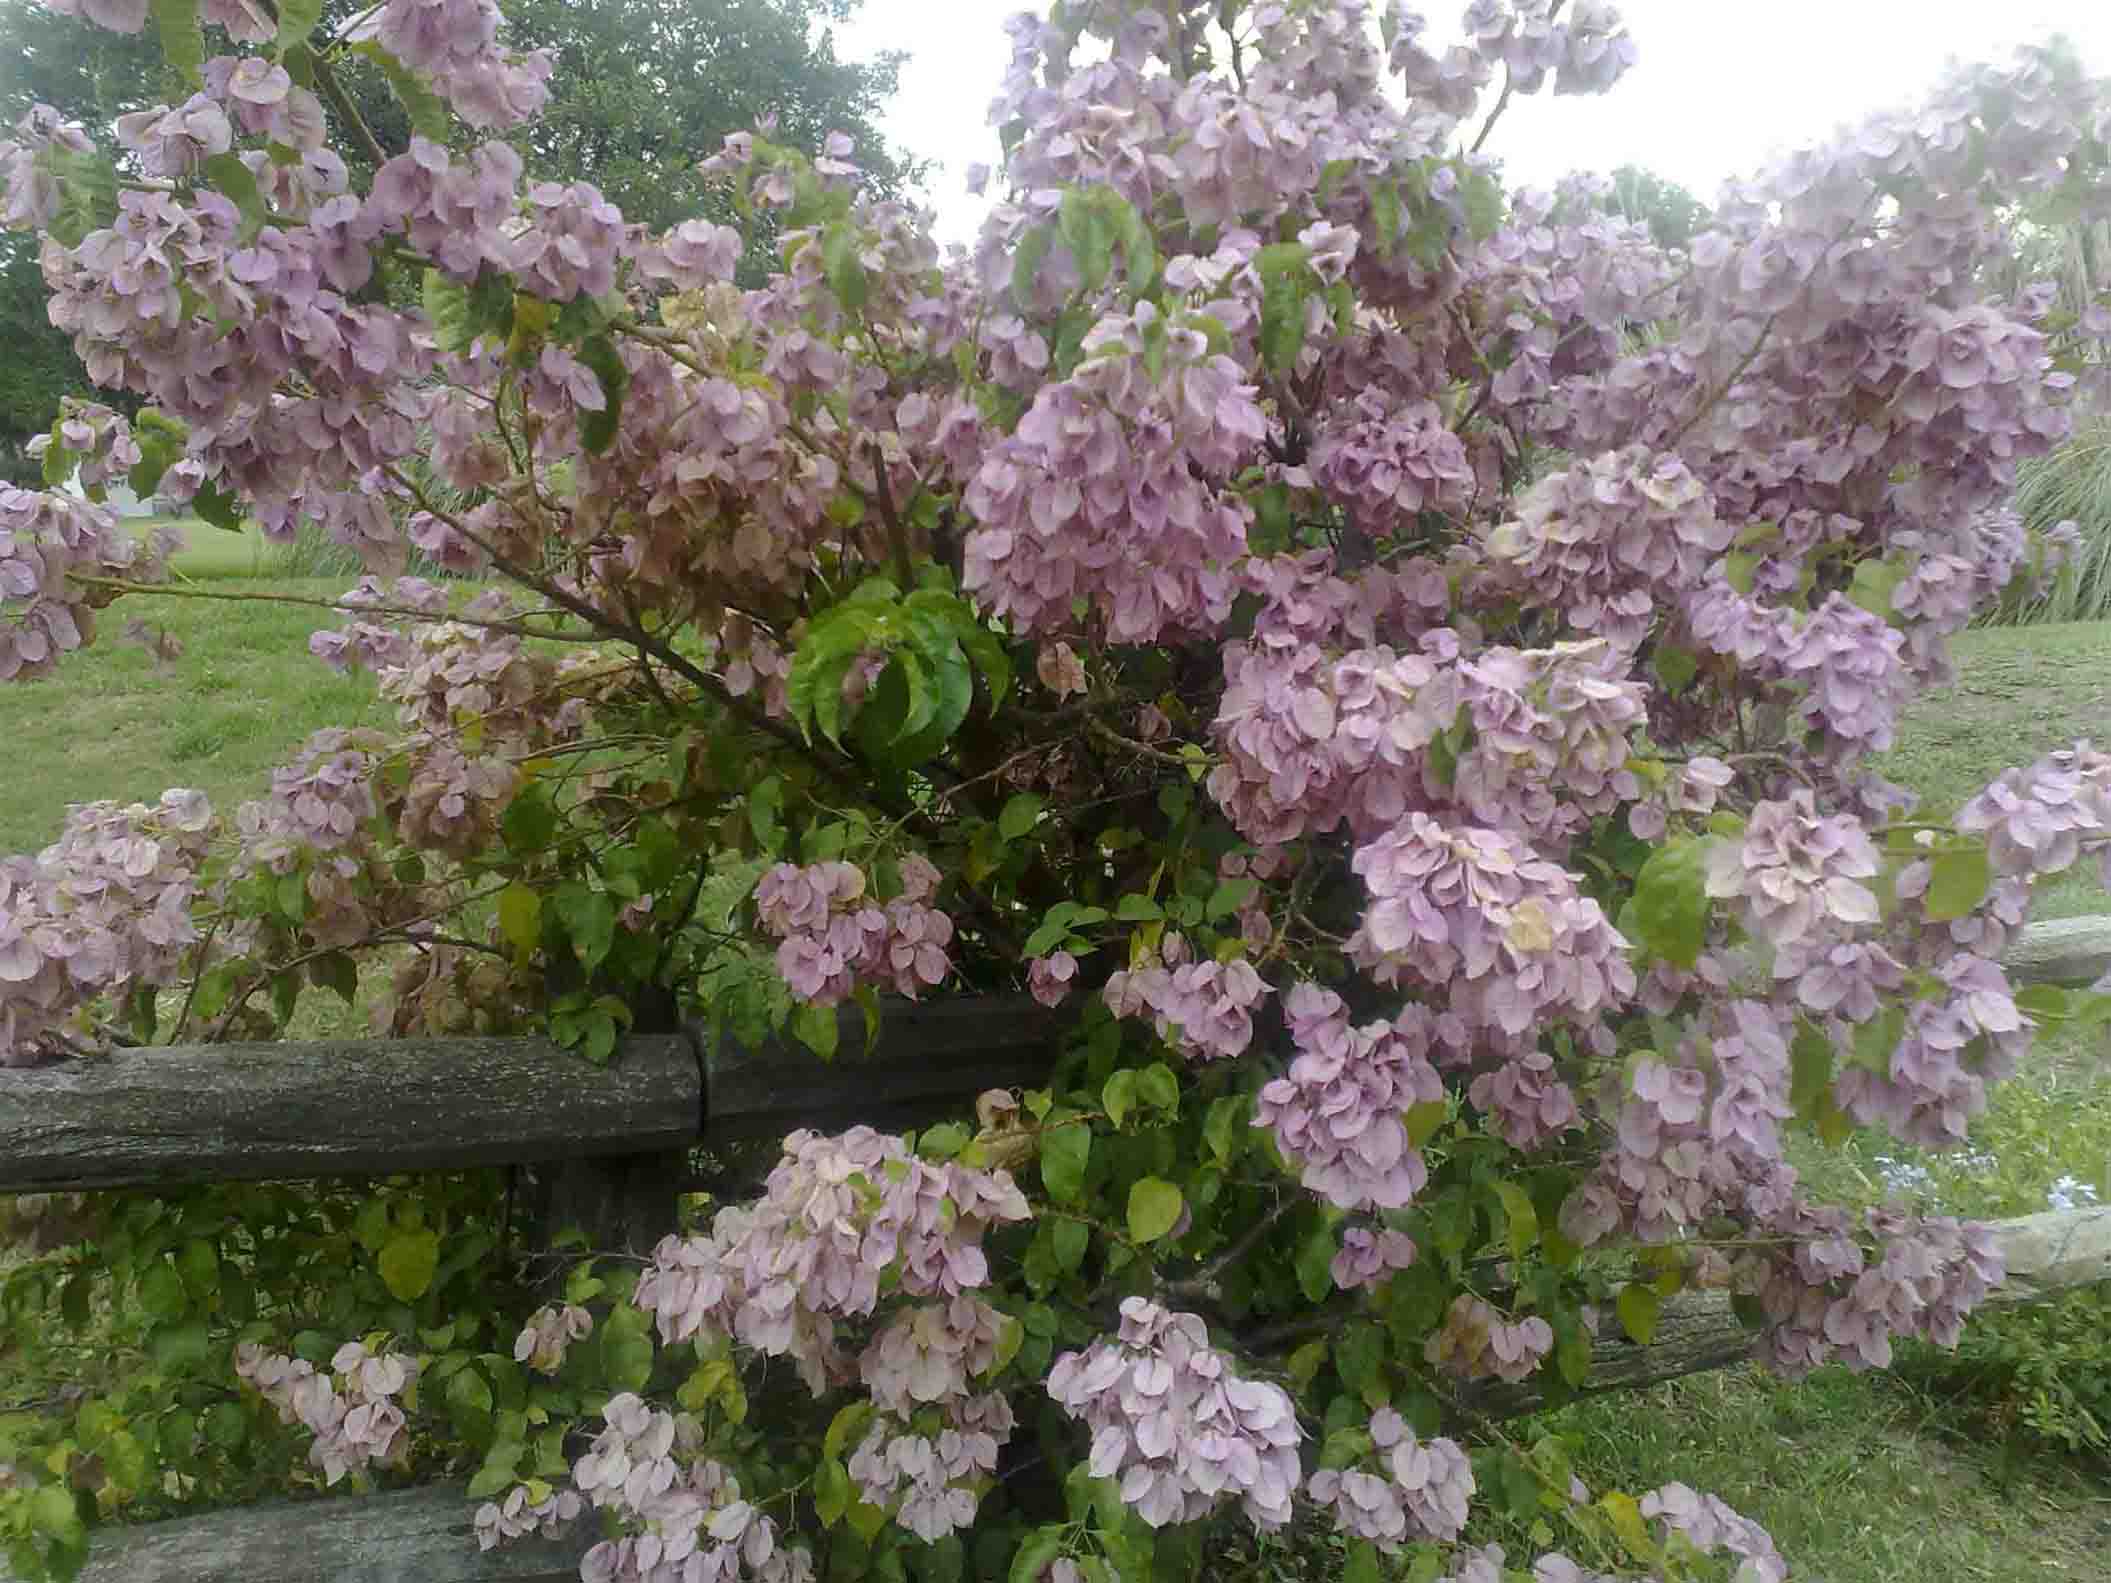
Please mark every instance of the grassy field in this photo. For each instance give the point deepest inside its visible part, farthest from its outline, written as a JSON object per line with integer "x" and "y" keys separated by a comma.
{"x": 1862, "y": 1479}
{"x": 113, "y": 723}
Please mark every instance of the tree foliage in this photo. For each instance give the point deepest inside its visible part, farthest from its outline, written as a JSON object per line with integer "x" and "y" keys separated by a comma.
{"x": 644, "y": 88}
{"x": 1390, "y": 662}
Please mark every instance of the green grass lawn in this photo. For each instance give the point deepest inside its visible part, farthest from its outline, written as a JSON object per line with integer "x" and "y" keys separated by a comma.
{"x": 2020, "y": 692}
{"x": 211, "y": 553}
{"x": 112, "y": 723}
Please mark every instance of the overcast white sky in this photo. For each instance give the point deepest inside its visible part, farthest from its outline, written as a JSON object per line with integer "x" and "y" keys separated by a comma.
{"x": 1721, "y": 86}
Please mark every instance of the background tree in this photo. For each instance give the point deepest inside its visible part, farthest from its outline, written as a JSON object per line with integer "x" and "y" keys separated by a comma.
{"x": 643, "y": 90}
{"x": 1674, "y": 216}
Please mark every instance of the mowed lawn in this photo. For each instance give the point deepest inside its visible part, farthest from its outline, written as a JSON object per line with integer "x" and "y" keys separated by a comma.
{"x": 112, "y": 723}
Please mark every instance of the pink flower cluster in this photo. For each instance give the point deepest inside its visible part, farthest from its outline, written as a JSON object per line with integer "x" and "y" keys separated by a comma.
{"x": 102, "y": 912}
{"x": 315, "y": 823}
{"x": 1368, "y": 1258}
{"x": 1711, "y": 1525}
{"x": 1796, "y": 872}
{"x": 549, "y": 1334}
{"x": 684, "y": 1521}
{"x": 1828, "y": 1299}
{"x": 1110, "y": 490}
{"x": 1473, "y": 912}
{"x": 1477, "y": 1343}
{"x": 836, "y": 1215}
{"x": 836, "y": 936}
{"x": 1203, "y": 1009}
{"x": 1337, "y": 1113}
{"x": 1420, "y": 1491}
{"x": 45, "y": 537}
{"x": 454, "y": 43}
{"x": 520, "y": 1514}
{"x": 1173, "y": 1422}
{"x": 1604, "y": 541}
{"x": 354, "y": 1416}
{"x": 931, "y": 1483}
{"x": 2038, "y": 820}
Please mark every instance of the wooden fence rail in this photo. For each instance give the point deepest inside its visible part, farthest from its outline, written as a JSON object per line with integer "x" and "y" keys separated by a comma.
{"x": 227, "y": 1112}
{"x": 607, "y": 1147}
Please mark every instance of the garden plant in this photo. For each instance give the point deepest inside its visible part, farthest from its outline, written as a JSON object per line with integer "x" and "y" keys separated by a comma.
{"x": 1389, "y": 660}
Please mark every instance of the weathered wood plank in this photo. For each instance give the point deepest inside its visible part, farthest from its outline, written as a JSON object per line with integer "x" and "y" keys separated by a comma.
{"x": 2060, "y": 951}
{"x": 1696, "y": 1331}
{"x": 189, "y": 1113}
{"x": 411, "y": 1536}
{"x": 927, "y": 1055}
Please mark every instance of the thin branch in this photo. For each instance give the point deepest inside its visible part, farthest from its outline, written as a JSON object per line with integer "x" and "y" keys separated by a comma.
{"x": 1204, "y": 1283}
{"x": 174, "y": 591}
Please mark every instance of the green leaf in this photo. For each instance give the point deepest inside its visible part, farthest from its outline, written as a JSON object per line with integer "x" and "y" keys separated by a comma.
{"x": 1424, "y": 1118}
{"x": 1741, "y": 570}
{"x": 1154, "y": 1209}
{"x": 185, "y": 1346}
{"x": 989, "y": 657}
{"x": 182, "y": 39}
{"x": 1362, "y": 1565}
{"x": 199, "y": 1266}
{"x": 1286, "y": 279}
{"x": 1020, "y": 815}
{"x": 766, "y": 815}
{"x": 235, "y": 182}
{"x": 1385, "y": 215}
{"x": 1873, "y": 585}
{"x": 1957, "y": 882}
{"x": 1315, "y": 1261}
{"x": 1118, "y": 1098}
{"x": 1158, "y": 1086}
{"x": 407, "y": 1264}
{"x": 447, "y": 306}
{"x": 1067, "y": 1241}
{"x": 1066, "y": 1149}
{"x": 1035, "y": 1553}
{"x": 1810, "y": 1071}
{"x": 422, "y": 107}
{"x": 1876, "y": 1040}
{"x": 832, "y": 1491}
{"x": 161, "y": 1293}
{"x": 520, "y": 916}
{"x": 1675, "y": 667}
{"x": 597, "y": 430}
{"x": 1221, "y": 1129}
{"x": 469, "y": 1400}
{"x": 1522, "y": 1217}
{"x": 530, "y": 822}
{"x": 818, "y": 1029}
{"x": 1230, "y": 895}
{"x": 1138, "y": 909}
{"x": 1359, "y": 1357}
{"x": 626, "y": 1350}
{"x": 297, "y": 19}
{"x": 1638, "y": 1305}
{"x": 1671, "y": 901}
{"x": 87, "y": 187}
{"x": 841, "y": 266}
{"x": 589, "y": 919}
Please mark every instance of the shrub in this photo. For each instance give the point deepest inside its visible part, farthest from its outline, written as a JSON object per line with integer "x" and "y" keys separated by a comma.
{"x": 1391, "y": 660}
